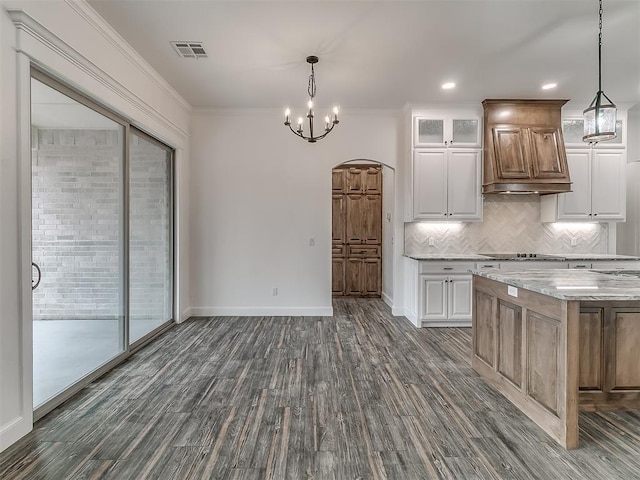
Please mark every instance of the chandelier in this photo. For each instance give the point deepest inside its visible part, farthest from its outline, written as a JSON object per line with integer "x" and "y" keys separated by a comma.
{"x": 599, "y": 117}
{"x": 329, "y": 122}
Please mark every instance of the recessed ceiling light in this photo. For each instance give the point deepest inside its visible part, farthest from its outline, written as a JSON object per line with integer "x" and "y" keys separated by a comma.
{"x": 549, "y": 86}
{"x": 448, "y": 85}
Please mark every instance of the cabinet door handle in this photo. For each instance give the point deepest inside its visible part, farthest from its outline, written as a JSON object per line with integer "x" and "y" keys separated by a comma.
{"x": 448, "y": 268}
{"x": 486, "y": 266}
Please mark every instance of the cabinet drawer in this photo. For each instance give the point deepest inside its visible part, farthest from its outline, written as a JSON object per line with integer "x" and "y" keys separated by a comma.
{"x": 337, "y": 250}
{"x": 364, "y": 250}
{"x": 487, "y": 265}
{"x": 585, "y": 265}
{"x": 445, "y": 267}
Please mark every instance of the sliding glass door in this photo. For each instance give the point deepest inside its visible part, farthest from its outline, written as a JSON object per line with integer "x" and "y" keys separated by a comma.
{"x": 150, "y": 235}
{"x": 78, "y": 158}
{"x": 102, "y": 239}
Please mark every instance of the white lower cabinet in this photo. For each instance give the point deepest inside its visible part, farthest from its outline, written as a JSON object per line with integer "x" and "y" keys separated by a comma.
{"x": 439, "y": 293}
{"x": 444, "y": 294}
{"x": 445, "y": 301}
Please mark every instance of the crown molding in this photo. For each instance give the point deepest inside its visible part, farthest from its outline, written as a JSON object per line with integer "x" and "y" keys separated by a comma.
{"x": 93, "y": 18}
{"x": 279, "y": 111}
{"x": 28, "y": 25}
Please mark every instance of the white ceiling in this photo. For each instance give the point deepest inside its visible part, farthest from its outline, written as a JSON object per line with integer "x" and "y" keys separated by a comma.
{"x": 383, "y": 54}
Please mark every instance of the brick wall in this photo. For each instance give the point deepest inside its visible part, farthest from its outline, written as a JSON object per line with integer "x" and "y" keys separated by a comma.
{"x": 77, "y": 214}
{"x": 150, "y": 231}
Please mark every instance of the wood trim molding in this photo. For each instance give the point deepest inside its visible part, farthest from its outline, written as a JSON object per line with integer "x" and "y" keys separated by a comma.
{"x": 25, "y": 24}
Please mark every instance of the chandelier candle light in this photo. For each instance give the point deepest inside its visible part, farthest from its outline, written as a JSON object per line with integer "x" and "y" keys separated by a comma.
{"x": 599, "y": 118}
{"x": 329, "y": 122}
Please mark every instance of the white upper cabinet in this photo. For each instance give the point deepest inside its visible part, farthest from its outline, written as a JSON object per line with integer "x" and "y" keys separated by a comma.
{"x": 446, "y": 185}
{"x": 598, "y": 190}
{"x": 459, "y": 130}
{"x": 446, "y": 165}
{"x": 573, "y": 130}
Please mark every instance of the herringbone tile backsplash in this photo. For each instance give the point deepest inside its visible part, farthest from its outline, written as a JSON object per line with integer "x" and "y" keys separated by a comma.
{"x": 511, "y": 224}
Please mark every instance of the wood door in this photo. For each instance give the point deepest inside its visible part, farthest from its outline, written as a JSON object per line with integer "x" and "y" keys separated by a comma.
{"x": 355, "y": 227}
{"x": 547, "y": 155}
{"x": 372, "y": 180}
{"x": 510, "y": 156}
{"x": 355, "y": 183}
{"x": 357, "y": 232}
{"x": 372, "y": 220}
{"x": 338, "y": 219}
{"x": 338, "y": 276}
{"x": 371, "y": 278}
{"x": 353, "y": 277}
{"x": 339, "y": 180}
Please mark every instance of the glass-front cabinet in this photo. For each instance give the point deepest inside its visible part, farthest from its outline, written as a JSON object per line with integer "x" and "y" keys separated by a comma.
{"x": 458, "y": 130}
{"x": 573, "y": 131}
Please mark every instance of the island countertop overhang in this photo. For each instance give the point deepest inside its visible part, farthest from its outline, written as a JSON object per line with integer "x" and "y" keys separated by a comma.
{"x": 567, "y": 284}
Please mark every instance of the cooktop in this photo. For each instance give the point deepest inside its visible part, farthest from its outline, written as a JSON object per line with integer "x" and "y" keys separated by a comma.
{"x": 518, "y": 255}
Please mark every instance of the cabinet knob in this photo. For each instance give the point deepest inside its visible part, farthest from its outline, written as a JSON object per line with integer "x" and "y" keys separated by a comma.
{"x": 595, "y": 214}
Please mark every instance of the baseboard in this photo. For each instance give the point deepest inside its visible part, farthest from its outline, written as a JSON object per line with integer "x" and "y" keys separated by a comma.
{"x": 186, "y": 313}
{"x": 447, "y": 323}
{"x": 388, "y": 300}
{"x": 14, "y": 431}
{"x": 261, "y": 311}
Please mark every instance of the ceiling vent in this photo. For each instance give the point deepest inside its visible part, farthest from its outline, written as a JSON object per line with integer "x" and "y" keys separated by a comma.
{"x": 190, "y": 49}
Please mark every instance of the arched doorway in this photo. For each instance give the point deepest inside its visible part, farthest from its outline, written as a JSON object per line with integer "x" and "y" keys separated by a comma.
{"x": 357, "y": 205}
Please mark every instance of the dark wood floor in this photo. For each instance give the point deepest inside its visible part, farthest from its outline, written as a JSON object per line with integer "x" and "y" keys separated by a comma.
{"x": 360, "y": 395}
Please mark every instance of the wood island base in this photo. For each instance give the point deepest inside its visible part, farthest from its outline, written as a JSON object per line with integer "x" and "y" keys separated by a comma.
{"x": 552, "y": 357}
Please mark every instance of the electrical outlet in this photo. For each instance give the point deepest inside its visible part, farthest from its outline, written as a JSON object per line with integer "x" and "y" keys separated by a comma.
{"x": 275, "y": 291}
{"x": 312, "y": 241}
{"x": 574, "y": 241}
{"x": 432, "y": 242}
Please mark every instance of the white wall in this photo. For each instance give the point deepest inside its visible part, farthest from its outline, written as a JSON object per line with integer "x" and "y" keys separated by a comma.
{"x": 14, "y": 420}
{"x": 72, "y": 43}
{"x": 388, "y": 214}
{"x": 258, "y": 194}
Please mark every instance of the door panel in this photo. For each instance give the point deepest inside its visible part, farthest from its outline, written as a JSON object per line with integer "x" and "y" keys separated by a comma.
{"x": 77, "y": 240}
{"x": 509, "y": 144}
{"x": 150, "y": 236}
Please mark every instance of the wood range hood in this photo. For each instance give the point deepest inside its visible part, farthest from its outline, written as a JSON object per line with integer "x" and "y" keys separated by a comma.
{"x": 523, "y": 147}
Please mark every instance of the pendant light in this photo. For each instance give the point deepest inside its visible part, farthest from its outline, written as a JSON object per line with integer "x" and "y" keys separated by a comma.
{"x": 599, "y": 117}
{"x": 330, "y": 122}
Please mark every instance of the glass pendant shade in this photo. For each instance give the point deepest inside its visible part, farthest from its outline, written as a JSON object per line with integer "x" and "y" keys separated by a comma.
{"x": 600, "y": 116}
{"x": 599, "y": 120}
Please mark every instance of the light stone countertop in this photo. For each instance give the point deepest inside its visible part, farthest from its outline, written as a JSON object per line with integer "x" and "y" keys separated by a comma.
{"x": 593, "y": 256}
{"x": 551, "y": 257}
{"x": 571, "y": 284}
{"x": 450, "y": 256}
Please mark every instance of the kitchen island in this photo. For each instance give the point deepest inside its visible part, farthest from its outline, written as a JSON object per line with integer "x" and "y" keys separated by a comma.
{"x": 554, "y": 342}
